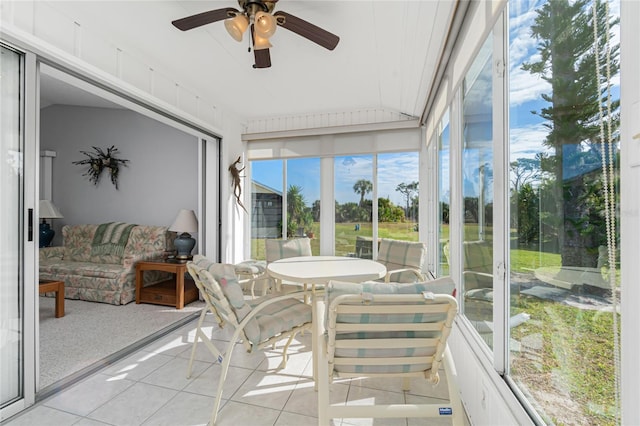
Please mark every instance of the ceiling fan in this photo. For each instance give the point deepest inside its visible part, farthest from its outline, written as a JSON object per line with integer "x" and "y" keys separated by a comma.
{"x": 257, "y": 15}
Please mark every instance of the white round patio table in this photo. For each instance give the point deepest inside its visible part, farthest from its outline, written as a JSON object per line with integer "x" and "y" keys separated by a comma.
{"x": 322, "y": 269}
{"x": 319, "y": 270}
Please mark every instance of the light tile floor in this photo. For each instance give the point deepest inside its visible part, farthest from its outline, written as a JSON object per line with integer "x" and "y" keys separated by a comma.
{"x": 150, "y": 387}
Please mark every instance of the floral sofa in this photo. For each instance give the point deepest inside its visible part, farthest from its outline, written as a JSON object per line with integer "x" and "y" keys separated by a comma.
{"x": 104, "y": 273}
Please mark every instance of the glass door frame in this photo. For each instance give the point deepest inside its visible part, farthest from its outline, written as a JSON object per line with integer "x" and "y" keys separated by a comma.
{"x": 29, "y": 122}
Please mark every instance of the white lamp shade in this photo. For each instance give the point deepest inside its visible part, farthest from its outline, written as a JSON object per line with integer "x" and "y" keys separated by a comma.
{"x": 185, "y": 222}
{"x": 236, "y": 26}
{"x": 49, "y": 211}
{"x": 265, "y": 24}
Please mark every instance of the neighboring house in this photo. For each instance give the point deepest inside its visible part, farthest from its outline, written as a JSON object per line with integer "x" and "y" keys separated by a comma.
{"x": 266, "y": 214}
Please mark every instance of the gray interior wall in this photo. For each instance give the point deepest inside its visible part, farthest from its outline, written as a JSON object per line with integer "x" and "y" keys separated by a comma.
{"x": 160, "y": 179}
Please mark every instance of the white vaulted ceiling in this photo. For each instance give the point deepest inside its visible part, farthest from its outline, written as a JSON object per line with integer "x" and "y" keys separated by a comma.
{"x": 386, "y": 57}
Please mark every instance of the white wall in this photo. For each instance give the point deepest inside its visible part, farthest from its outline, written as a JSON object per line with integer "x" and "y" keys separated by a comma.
{"x": 160, "y": 178}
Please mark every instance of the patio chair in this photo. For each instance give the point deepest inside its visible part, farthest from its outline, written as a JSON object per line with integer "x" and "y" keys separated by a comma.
{"x": 250, "y": 272}
{"x": 404, "y": 260}
{"x": 284, "y": 249}
{"x": 364, "y": 247}
{"x": 258, "y": 323}
{"x": 478, "y": 278}
{"x": 384, "y": 331}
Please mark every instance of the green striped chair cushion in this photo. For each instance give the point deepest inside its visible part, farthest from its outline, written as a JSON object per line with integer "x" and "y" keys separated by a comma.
{"x": 225, "y": 279}
{"x": 270, "y": 321}
{"x": 283, "y": 249}
{"x": 396, "y": 254}
{"x": 251, "y": 267}
{"x": 439, "y": 286}
{"x": 279, "y": 317}
{"x": 442, "y": 285}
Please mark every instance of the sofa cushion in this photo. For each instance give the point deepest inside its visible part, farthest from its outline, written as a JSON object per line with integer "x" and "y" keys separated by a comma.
{"x": 77, "y": 242}
{"x": 109, "y": 242}
{"x": 87, "y": 269}
{"x": 149, "y": 238}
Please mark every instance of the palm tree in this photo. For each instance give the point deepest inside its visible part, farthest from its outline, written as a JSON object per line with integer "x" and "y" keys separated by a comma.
{"x": 362, "y": 187}
{"x": 297, "y": 216}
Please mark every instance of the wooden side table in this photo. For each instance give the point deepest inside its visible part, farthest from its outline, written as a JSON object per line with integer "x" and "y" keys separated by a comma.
{"x": 176, "y": 292}
{"x": 47, "y": 286}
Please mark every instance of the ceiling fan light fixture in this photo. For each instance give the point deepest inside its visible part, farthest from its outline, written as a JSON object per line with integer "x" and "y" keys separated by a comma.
{"x": 260, "y": 43}
{"x": 236, "y": 26}
{"x": 265, "y": 24}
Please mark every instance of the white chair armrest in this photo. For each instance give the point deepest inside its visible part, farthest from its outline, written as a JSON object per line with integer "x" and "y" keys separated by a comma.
{"x": 417, "y": 273}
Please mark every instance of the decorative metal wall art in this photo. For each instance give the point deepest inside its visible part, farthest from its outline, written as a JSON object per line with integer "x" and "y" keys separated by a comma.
{"x": 235, "y": 181}
{"x": 101, "y": 160}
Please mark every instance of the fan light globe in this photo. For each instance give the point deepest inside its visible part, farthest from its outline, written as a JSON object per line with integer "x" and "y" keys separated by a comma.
{"x": 236, "y": 26}
{"x": 265, "y": 24}
{"x": 260, "y": 43}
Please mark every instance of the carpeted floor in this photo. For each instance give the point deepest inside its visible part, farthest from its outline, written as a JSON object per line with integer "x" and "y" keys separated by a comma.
{"x": 89, "y": 332}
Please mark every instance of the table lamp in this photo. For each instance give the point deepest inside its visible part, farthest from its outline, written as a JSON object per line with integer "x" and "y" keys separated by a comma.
{"x": 184, "y": 224}
{"x": 47, "y": 211}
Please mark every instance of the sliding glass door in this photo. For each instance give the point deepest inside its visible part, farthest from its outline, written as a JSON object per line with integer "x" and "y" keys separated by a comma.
{"x": 16, "y": 334}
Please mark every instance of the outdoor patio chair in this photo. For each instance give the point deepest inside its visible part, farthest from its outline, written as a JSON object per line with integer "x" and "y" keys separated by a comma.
{"x": 364, "y": 247}
{"x": 250, "y": 272}
{"x": 384, "y": 331}
{"x": 404, "y": 260}
{"x": 284, "y": 249}
{"x": 258, "y": 323}
{"x": 478, "y": 278}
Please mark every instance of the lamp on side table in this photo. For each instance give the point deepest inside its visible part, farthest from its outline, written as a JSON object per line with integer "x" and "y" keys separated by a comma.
{"x": 184, "y": 224}
{"x": 47, "y": 211}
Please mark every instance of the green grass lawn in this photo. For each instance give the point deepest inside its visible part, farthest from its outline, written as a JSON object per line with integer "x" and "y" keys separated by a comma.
{"x": 572, "y": 370}
{"x": 346, "y": 235}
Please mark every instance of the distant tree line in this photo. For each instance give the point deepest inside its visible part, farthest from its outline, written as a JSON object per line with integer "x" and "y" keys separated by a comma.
{"x": 300, "y": 216}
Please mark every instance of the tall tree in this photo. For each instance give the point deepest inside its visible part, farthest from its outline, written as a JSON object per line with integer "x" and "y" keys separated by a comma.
{"x": 567, "y": 61}
{"x": 362, "y": 187}
{"x": 407, "y": 190}
{"x": 523, "y": 171}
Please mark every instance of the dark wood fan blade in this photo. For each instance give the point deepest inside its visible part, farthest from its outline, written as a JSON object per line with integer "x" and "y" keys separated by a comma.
{"x": 262, "y": 57}
{"x": 307, "y": 30}
{"x": 203, "y": 18}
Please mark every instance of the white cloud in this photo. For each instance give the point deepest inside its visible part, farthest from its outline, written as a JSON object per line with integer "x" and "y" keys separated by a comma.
{"x": 527, "y": 141}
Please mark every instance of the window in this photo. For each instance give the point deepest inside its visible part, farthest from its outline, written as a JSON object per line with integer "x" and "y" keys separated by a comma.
{"x": 562, "y": 356}
{"x": 477, "y": 193}
{"x": 398, "y": 190}
{"x": 358, "y": 180}
{"x": 266, "y": 204}
{"x": 303, "y": 200}
{"x": 444, "y": 194}
{"x": 353, "y": 204}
